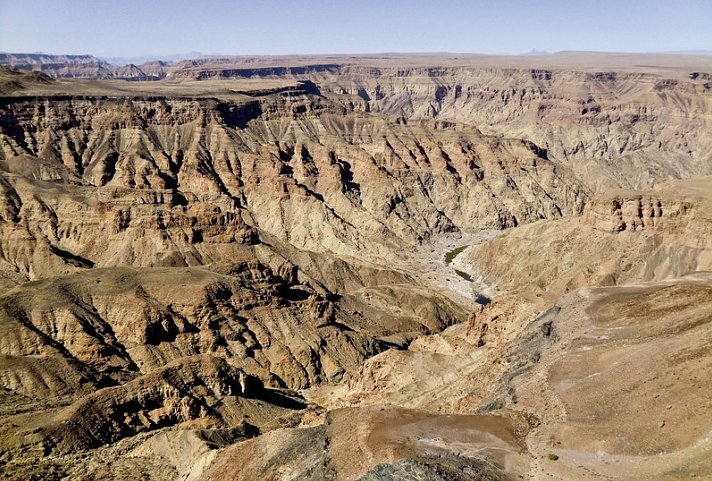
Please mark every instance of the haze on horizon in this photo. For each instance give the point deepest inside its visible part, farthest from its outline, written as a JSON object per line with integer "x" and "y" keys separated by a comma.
{"x": 127, "y": 28}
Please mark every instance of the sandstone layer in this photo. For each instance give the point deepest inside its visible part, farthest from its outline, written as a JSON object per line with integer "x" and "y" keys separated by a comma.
{"x": 418, "y": 268}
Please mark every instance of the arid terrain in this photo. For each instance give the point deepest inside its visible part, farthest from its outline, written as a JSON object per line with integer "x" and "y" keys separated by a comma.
{"x": 389, "y": 267}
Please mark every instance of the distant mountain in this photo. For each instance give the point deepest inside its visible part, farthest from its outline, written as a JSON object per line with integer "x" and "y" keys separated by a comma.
{"x": 141, "y": 59}
{"x": 535, "y": 53}
{"x": 82, "y": 66}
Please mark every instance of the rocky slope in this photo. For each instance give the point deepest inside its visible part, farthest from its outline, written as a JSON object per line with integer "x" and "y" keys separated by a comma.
{"x": 614, "y": 128}
{"x": 627, "y": 236}
{"x": 313, "y": 172}
{"x": 82, "y": 66}
{"x": 13, "y": 81}
{"x": 352, "y": 271}
{"x": 617, "y": 121}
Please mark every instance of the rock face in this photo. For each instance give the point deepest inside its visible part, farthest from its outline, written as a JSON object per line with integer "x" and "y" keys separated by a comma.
{"x": 12, "y": 80}
{"x": 596, "y": 127}
{"x": 622, "y": 237}
{"x": 139, "y": 335}
{"x": 581, "y": 370}
{"x": 353, "y": 270}
{"x": 305, "y": 170}
{"x": 81, "y": 66}
{"x": 614, "y": 129}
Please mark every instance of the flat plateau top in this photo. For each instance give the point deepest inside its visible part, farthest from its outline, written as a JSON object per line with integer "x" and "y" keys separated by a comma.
{"x": 183, "y": 78}
{"x": 562, "y": 60}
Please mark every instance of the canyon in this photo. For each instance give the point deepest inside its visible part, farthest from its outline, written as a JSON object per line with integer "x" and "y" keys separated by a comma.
{"x": 414, "y": 267}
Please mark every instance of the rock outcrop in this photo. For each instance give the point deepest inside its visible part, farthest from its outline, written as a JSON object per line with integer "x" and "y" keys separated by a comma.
{"x": 327, "y": 178}
{"x": 615, "y": 129}
{"x": 82, "y": 67}
{"x": 622, "y": 237}
{"x": 354, "y": 270}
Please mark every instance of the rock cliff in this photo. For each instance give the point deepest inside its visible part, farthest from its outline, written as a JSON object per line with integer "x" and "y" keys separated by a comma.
{"x": 354, "y": 269}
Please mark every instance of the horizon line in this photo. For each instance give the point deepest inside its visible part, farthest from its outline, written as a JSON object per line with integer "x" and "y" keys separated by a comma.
{"x": 532, "y": 52}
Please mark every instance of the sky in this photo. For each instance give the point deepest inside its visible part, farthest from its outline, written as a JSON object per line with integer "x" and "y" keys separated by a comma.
{"x": 124, "y": 28}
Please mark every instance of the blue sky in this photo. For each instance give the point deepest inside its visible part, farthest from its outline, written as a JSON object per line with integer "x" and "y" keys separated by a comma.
{"x": 146, "y": 27}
